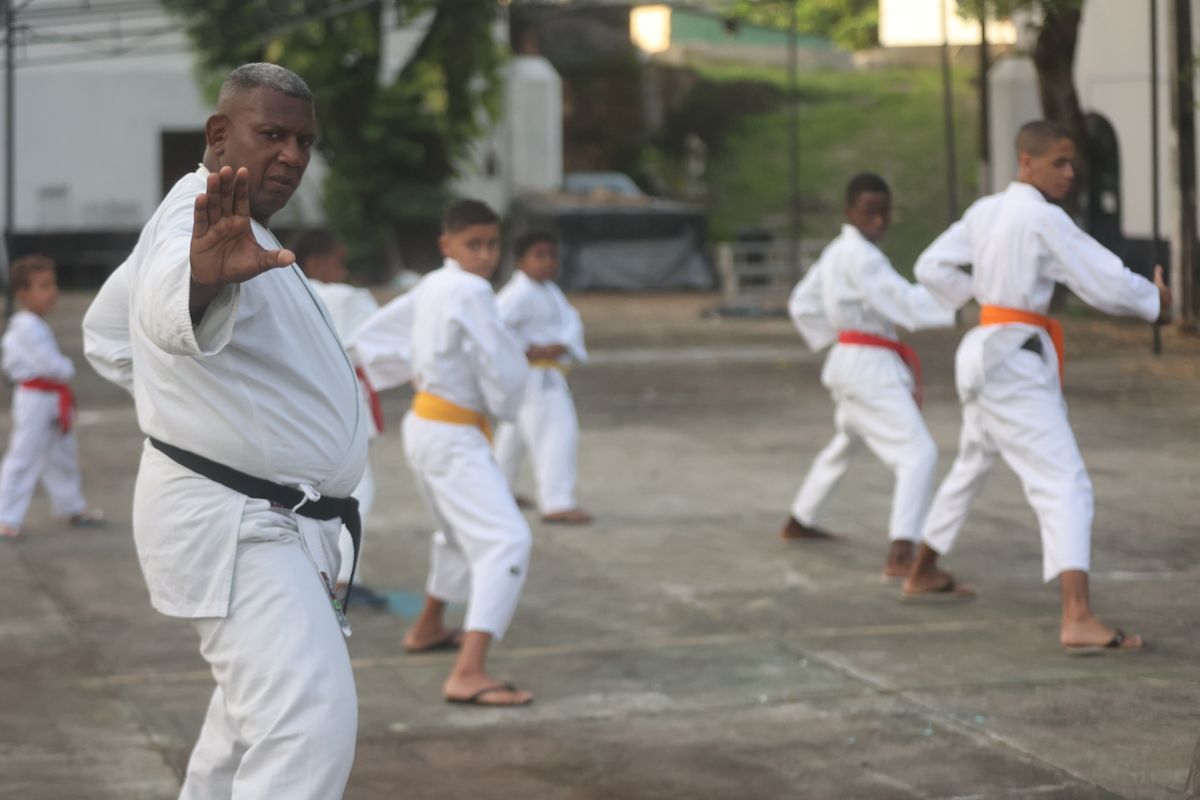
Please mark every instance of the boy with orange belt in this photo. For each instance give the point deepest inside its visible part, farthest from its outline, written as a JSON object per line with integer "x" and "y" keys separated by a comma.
{"x": 1009, "y": 371}
{"x": 42, "y": 445}
{"x": 853, "y": 297}
{"x": 447, "y": 337}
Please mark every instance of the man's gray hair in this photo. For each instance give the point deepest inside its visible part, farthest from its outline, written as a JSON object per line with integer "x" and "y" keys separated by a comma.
{"x": 263, "y": 76}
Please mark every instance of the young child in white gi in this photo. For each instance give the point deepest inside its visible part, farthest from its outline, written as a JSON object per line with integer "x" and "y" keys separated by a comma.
{"x": 1008, "y": 371}
{"x": 447, "y": 337}
{"x": 322, "y": 257}
{"x": 41, "y": 447}
{"x": 552, "y": 333}
{"x": 853, "y": 298}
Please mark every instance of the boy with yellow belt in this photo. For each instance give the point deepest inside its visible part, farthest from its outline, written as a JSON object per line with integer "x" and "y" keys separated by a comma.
{"x": 1008, "y": 371}
{"x": 447, "y": 337}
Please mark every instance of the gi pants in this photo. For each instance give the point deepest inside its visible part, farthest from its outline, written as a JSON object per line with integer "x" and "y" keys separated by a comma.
{"x": 888, "y": 420}
{"x": 481, "y": 548}
{"x": 548, "y": 427}
{"x": 38, "y": 450}
{"x": 283, "y": 718}
{"x": 1019, "y": 414}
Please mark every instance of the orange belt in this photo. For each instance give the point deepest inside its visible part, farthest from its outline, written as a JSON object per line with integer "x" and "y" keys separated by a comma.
{"x": 1000, "y": 315}
{"x": 550, "y": 363}
{"x": 372, "y": 398}
{"x": 438, "y": 409}
{"x": 66, "y": 398}
{"x": 906, "y": 353}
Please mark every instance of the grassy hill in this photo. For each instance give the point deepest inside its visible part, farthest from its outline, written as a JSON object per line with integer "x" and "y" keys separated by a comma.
{"x": 887, "y": 121}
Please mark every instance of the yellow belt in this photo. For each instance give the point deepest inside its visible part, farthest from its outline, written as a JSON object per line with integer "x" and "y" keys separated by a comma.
{"x": 550, "y": 363}
{"x": 438, "y": 409}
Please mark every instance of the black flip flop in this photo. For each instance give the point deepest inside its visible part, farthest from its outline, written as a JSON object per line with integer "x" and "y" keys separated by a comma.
{"x": 474, "y": 699}
{"x": 1112, "y": 646}
{"x": 451, "y": 641}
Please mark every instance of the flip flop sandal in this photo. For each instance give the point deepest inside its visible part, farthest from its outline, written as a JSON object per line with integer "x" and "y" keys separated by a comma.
{"x": 951, "y": 592}
{"x": 474, "y": 700}
{"x": 451, "y": 641}
{"x": 1114, "y": 645}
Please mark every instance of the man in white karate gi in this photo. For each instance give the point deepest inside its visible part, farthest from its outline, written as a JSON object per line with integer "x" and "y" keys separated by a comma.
{"x": 322, "y": 257}
{"x": 446, "y": 337}
{"x": 1008, "y": 371}
{"x": 552, "y": 333}
{"x": 854, "y": 299}
{"x": 255, "y": 442}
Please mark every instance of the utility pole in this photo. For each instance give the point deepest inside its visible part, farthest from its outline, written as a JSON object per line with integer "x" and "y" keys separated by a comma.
{"x": 948, "y": 112}
{"x": 985, "y": 101}
{"x": 1183, "y": 108}
{"x": 10, "y": 161}
{"x": 793, "y": 143}
{"x": 1155, "y": 218}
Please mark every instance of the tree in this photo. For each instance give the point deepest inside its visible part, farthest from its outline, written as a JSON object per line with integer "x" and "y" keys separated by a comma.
{"x": 391, "y": 144}
{"x": 852, "y": 24}
{"x": 1057, "y": 28}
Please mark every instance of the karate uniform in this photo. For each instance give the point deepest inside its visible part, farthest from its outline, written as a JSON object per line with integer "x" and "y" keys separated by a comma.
{"x": 539, "y": 314}
{"x": 852, "y": 287}
{"x": 446, "y": 336}
{"x": 263, "y": 386}
{"x": 348, "y": 308}
{"x": 38, "y": 447}
{"x": 1018, "y": 246}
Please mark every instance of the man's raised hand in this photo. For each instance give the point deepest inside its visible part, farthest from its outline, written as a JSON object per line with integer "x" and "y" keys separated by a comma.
{"x": 224, "y": 249}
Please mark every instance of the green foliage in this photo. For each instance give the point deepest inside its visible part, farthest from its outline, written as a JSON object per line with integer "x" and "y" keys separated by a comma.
{"x": 852, "y": 24}
{"x": 391, "y": 146}
{"x": 887, "y": 121}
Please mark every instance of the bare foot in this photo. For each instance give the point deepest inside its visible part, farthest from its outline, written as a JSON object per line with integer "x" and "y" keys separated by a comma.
{"x": 483, "y": 690}
{"x": 935, "y": 582}
{"x": 1091, "y": 635}
{"x": 91, "y": 518}
{"x": 9, "y": 532}
{"x": 424, "y": 640}
{"x": 794, "y": 530}
{"x": 575, "y": 516}
{"x": 900, "y": 559}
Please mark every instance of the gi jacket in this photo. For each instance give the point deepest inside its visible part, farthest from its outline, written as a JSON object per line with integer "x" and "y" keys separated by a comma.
{"x": 262, "y": 385}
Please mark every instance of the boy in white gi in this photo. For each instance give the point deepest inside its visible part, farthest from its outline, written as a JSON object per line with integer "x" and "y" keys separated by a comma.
{"x": 447, "y": 337}
{"x": 552, "y": 333}
{"x": 42, "y": 444}
{"x": 322, "y": 257}
{"x": 1008, "y": 371}
{"x": 853, "y": 298}
{"x": 256, "y": 439}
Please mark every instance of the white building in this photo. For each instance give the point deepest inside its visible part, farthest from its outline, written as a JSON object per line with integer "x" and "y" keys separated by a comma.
{"x": 108, "y": 114}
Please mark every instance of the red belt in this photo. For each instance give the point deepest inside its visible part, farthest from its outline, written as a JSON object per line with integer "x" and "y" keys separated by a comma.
{"x": 372, "y": 398}
{"x": 66, "y": 398}
{"x": 906, "y": 353}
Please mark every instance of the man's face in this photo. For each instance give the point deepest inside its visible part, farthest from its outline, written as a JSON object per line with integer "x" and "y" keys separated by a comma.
{"x": 871, "y": 213}
{"x": 476, "y": 248}
{"x": 1053, "y": 172}
{"x": 41, "y": 295}
{"x": 540, "y": 261}
{"x": 271, "y": 135}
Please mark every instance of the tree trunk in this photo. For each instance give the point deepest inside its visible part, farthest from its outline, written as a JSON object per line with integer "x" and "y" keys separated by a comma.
{"x": 1054, "y": 57}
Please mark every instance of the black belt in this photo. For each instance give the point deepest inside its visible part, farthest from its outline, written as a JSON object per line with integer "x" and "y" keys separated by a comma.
{"x": 325, "y": 508}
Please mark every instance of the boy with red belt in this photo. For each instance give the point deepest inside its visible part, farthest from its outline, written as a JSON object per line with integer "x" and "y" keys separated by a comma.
{"x": 42, "y": 444}
{"x": 853, "y": 296}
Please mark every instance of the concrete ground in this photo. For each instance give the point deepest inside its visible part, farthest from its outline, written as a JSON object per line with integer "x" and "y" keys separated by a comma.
{"x": 678, "y": 648}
